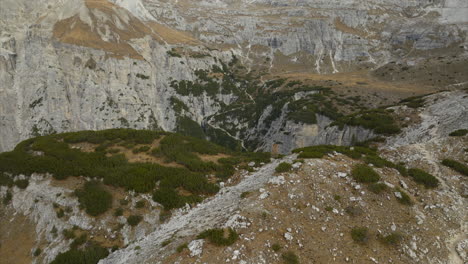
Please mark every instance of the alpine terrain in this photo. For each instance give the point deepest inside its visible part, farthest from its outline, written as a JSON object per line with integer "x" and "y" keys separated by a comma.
{"x": 233, "y": 131}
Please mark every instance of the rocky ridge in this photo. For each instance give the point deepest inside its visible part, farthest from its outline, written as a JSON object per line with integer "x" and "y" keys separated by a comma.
{"x": 75, "y": 65}
{"x": 304, "y": 210}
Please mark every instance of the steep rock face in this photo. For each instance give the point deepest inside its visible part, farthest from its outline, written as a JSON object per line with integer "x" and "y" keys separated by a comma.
{"x": 74, "y": 65}
{"x": 321, "y": 36}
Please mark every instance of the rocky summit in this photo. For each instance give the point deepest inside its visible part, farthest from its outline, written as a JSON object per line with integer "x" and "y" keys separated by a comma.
{"x": 233, "y": 131}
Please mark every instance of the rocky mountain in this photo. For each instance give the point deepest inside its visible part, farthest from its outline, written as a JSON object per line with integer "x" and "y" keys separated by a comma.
{"x": 70, "y": 65}
{"x": 312, "y": 206}
{"x": 307, "y": 131}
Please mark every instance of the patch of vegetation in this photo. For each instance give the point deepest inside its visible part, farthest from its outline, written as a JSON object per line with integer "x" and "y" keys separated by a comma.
{"x": 140, "y": 204}
{"x": 68, "y": 234}
{"x": 424, "y": 178}
{"x": 283, "y": 167}
{"x": 118, "y": 212}
{"x": 455, "y": 165}
{"x": 459, "y": 133}
{"x": 142, "y": 76}
{"x": 405, "y": 199}
{"x": 378, "y": 120}
{"x": 173, "y": 53}
{"x": 377, "y": 188}
{"x": 276, "y": 247}
{"x": 7, "y": 198}
{"x": 62, "y": 161}
{"x": 218, "y": 238}
{"x": 79, "y": 241}
{"x": 360, "y": 234}
{"x": 165, "y": 243}
{"x": 141, "y": 149}
{"x": 37, "y": 252}
{"x": 178, "y": 105}
{"x": 290, "y": 258}
{"x": 5, "y": 180}
{"x": 90, "y": 255}
{"x": 60, "y": 213}
{"x": 244, "y": 195}
{"x": 319, "y": 151}
{"x": 414, "y": 101}
{"x": 181, "y": 248}
{"x": 22, "y": 184}
{"x": 365, "y": 174}
{"x": 392, "y": 239}
{"x": 94, "y": 199}
{"x": 378, "y": 161}
{"x": 134, "y": 220}
{"x": 188, "y": 127}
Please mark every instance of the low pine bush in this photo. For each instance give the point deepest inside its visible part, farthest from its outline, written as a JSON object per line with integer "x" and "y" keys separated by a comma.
{"x": 405, "y": 199}
{"x": 424, "y": 178}
{"x": 459, "y": 133}
{"x": 90, "y": 255}
{"x": 290, "y": 258}
{"x": 457, "y": 166}
{"x": 377, "y": 188}
{"x": 217, "y": 237}
{"x": 283, "y": 167}
{"x": 22, "y": 184}
{"x": 134, "y": 220}
{"x": 360, "y": 234}
{"x": 392, "y": 239}
{"x": 365, "y": 174}
{"x": 94, "y": 199}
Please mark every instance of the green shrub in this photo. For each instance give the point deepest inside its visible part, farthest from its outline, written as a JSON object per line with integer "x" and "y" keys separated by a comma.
{"x": 276, "y": 247}
{"x": 118, "y": 212}
{"x": 90, "y": 255}
{"x": 22, "y": 184}
{"x": 283, "y": 167}
{"x": 402, "y": 169}
{"x": 165, "y": 243}
{"x": 141, "y": 149}
{"x": 134, "y": 220}
{"x": 62, "y": 161}
{"x": 181, "y": 248}
{"x": 7, "y": 198}
{"x": 170, "y": 199}
{"x": 244, "y": 195}
{"x": 60, "y": 213}
{"x": 94, "y": 199}
{"x": 140, "y": 204}
{"x": 360, "y": 234}
{"x": 378, "y": 120}
{"x": 5, "y": 180}
{"x": 216, "y": 236}
{"x": 405, "y": 199}
{"x": 365, "y": 174}
{"x": 422, "y": 177}
{"x": 377, "y": 187}
{"x": 459, "y": 133}
{"x": 311, "y": 155}
{"x": 37, "y": 252}
{"x": 391, "y": 239}
{"x": 455, "y": 165}
{"x": 79, "y": 241}
{"x": 68, "y": 233}
{"x": 378, "y": 161}
{"x": 290, "y": 258}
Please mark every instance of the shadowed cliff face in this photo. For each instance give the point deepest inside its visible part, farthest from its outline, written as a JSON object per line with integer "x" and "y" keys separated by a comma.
{"x": 74, "y": 65}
